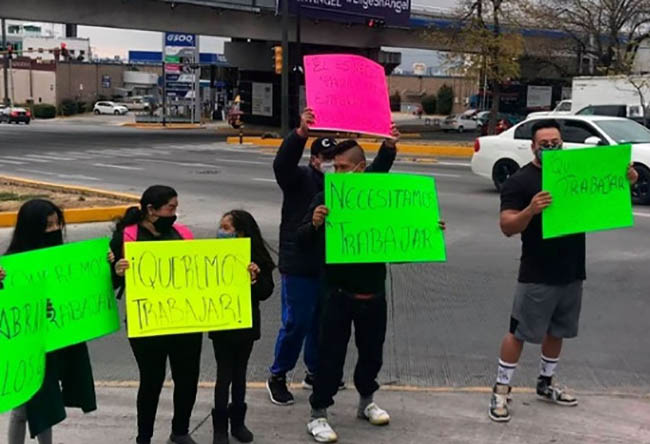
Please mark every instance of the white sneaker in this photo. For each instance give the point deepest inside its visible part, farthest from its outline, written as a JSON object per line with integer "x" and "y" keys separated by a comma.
{"x": 375, "y": 415}
{"x": 321, "y": 430}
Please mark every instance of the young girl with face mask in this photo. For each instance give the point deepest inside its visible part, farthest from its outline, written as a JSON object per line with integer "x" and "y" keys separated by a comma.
{"x": 154, "y": 220}
{"x": 68, "y": 380}
{"x": 233, "y": 348}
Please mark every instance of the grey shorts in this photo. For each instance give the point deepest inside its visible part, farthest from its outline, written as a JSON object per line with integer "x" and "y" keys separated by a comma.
{"x": 539, "y": 309}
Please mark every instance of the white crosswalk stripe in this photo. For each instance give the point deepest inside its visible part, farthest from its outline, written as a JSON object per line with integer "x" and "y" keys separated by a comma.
{"x": 103, "y": 155}
{"x": 24, "y": 158}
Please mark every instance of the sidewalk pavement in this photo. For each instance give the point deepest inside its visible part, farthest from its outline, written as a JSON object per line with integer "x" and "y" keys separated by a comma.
{"x": 418, "y": 416}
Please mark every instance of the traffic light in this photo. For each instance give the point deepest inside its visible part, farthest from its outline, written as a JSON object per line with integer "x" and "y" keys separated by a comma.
{"x": 10, "y": 51}
{"x": 64, "y": 51}
{"x": 277, "y": 58}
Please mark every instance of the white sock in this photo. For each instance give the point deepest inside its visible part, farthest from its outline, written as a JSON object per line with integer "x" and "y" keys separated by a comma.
{"x": 505, "y": 372}
{"x": 547, "y": 366}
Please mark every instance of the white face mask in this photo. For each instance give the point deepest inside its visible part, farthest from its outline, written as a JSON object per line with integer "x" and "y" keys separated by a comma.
{"x": 327, "y": 167}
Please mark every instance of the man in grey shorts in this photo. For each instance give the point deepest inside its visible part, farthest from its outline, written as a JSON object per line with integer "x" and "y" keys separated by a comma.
{"x": 548, "y": 296}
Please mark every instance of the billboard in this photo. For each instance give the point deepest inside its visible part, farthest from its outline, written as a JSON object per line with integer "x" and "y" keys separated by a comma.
{"x": 390, "y": 12}
{"x": 180, "y": 53}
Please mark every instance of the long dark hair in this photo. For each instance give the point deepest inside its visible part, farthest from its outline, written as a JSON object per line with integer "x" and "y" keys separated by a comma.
{"x": 245, "y": 223}
{"x": 156, "y": 196}
{"x": 31, "y": 223}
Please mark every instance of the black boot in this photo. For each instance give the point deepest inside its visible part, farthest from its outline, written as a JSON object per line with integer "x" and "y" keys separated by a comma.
{"x": 219, "y": 427}
{"x": 238, "y": 430}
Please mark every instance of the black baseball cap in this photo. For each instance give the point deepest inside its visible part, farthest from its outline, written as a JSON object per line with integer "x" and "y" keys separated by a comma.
{"x": 322, "y": 144}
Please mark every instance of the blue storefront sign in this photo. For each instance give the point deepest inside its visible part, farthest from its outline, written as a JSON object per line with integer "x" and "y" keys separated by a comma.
{"x": 180, "y": 39}
{"x": 391, "y": 12}
{"x": 106, "y": 81}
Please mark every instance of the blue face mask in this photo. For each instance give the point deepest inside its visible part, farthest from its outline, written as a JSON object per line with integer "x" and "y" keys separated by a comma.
{"x": 225, "y": 235}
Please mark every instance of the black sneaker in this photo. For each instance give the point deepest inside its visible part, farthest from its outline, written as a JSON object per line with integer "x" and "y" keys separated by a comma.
{"x": 278, "y": 391}
{"x": 308, "y": 382}
{"x": 547, "y": 390}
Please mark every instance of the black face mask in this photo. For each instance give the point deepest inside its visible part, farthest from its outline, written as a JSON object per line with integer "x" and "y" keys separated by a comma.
{"x": 52, "y": 239}
{"x": 164, "y": 224}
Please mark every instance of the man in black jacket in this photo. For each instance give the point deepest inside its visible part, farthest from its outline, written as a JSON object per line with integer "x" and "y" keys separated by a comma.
{"x": 355, "y": 293}
{"x": 300, "y": 269}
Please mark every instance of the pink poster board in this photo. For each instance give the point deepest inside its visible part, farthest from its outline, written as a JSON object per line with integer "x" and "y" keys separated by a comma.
{"x": 348, "y": 93}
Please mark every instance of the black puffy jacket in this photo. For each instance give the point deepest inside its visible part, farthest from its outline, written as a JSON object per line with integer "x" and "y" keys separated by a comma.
{"x": 300, "y": 184}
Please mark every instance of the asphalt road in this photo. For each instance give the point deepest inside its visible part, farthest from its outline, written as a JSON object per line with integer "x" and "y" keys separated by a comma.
{"x": 446, "y": 320}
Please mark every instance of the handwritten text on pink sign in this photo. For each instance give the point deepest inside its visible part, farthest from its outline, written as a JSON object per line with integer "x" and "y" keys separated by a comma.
{"x": 348, "y": 93}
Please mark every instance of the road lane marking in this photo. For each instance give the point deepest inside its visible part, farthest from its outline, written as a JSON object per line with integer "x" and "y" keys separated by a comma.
{"x": 427, "y": 173}
{"x": 119, "y": 167}
{"x": 76, "y": 176}
{"x": 462, "y": 164}
{"x": 252, "y": 162}
{"x": 23, "y": 158}
{"x": 41, "y": 156}
{"x": 28, "y": 170}
{"x": 186, "y": 164}
{"x": 640, "y": 214}
{"x": 11, "y": 162}
{"x": 263, "y": 179}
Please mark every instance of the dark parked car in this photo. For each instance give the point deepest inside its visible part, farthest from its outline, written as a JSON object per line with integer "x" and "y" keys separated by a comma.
{"x": 632, "y": 112}
{"x": 15, "y": 115}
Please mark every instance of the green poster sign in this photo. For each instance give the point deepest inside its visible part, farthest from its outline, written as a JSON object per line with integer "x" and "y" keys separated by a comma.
{"x": 377, "y": 217}
{"x": 589, "y": 188}
{"x": 76, "y": 279}
{"x": 22, "y": 347}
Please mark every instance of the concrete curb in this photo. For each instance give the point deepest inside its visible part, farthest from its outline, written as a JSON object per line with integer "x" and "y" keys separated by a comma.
{"x": 73, "y": 215}
{"x": 177, "y": 126}
{"x": 259, "y": 385}
{"x": 448, "y": 150}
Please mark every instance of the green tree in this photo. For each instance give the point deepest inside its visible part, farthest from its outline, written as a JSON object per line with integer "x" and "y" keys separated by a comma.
{"x": 445, "y": 100}
{"x": 429, "y": 104}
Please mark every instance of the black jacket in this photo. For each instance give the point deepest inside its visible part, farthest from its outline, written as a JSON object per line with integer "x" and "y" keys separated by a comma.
{"x": 299, "y": 185}
{"x": 68, "y": 383}
{"x": 260, "y": 291}
{"x": 352, "y": 278}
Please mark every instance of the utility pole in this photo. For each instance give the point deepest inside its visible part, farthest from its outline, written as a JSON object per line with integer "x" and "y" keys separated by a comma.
{"x": 5, "y": 77}
{"x": 284, "y": 111}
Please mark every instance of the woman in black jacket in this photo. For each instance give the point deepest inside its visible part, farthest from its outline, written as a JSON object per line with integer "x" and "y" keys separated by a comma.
{"x": 68, "y": 378}
{"x": 155, "y": 220}
{"x": 233, "y": 348}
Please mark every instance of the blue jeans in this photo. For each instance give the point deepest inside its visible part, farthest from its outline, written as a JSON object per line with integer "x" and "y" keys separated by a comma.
{"x": 300, "y": 297}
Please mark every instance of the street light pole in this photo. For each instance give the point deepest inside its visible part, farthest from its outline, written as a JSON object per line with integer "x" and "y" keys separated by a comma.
{"x": 5, "y": 77}
{"x": 284, "y": 112}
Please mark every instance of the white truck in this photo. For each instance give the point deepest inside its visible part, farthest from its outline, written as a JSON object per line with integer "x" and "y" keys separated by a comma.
{"x": 591, "y": 93}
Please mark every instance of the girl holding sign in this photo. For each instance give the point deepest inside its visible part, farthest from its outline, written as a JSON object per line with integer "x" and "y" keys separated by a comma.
{"x": 233, "y": 348}
{"x": 154, "y": 220}
{"x": 68, "y": 380}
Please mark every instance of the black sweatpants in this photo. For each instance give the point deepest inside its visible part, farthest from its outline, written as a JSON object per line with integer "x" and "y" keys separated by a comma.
{"x": 340, "y": 311}
{"x": 151, "y": 353}
{"x": 232, "y": 362}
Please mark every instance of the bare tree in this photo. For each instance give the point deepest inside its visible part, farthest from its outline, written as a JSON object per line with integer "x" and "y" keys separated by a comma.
{"x": 642, "y": 85}
{"x": 608, "y": 32}
{"x": 482, "y": 47}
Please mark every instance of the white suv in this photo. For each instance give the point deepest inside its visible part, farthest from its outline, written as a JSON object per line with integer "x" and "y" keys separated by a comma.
{"x": 498, "y": 157}
{"x": 110, "y": 108}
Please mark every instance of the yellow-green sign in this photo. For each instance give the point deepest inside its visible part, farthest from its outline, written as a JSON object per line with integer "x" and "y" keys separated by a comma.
{"x": 22, "y": 346}
{"x": 589, "y": 188}
{"x": 75, "y": 279}
{"x": 379, "y": 217}
{"x": 188, "y": 286}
